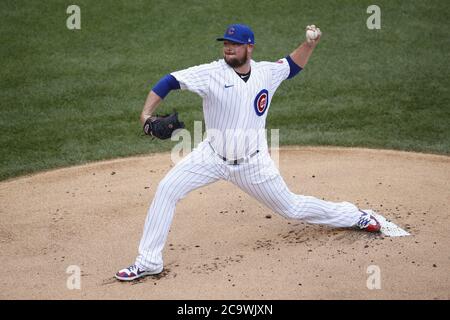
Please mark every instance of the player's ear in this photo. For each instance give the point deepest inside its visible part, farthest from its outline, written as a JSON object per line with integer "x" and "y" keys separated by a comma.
{"x": 250, "y": 48}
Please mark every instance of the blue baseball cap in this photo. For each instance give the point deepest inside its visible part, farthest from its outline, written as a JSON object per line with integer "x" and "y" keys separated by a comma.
{"x": 239, "y": 33}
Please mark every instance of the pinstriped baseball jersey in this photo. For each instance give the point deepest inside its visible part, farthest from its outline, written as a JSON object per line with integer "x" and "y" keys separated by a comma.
{"x": 233, "y": 108}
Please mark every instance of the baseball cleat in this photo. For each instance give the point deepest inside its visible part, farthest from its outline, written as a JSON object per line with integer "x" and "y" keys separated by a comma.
{"x": 133, "y": 272}
{"x": 368, "y": 223}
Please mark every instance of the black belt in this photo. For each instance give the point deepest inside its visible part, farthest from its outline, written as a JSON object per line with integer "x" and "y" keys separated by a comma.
{"x": 233, "y": 162}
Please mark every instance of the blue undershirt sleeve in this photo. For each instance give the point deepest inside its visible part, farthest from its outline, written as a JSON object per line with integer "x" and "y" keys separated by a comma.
{"x": 295, "y": 68}
{"x": 165, "y": 85}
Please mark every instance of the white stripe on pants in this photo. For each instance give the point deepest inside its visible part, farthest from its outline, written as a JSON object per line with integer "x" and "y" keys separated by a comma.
{"x": 259, "y": 178}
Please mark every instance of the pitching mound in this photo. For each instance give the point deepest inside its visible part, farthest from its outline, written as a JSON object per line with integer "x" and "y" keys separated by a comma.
{"x": 223, "y": 244}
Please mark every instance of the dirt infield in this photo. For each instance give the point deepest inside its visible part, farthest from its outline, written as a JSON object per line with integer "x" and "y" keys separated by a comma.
{"x": 224, "y": 244}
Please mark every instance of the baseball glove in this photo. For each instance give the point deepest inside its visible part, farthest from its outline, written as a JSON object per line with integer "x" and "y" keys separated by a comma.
{"x": 162, "y": 126}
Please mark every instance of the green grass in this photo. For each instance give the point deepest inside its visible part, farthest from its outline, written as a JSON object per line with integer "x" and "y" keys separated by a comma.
{"x": 69, "y": 97}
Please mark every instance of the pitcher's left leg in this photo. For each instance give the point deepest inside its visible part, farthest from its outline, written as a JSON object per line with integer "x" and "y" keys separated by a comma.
{"x": 262, "y": 180}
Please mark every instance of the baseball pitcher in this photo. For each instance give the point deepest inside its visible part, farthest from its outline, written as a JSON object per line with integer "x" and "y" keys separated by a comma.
{"x": 237, "y": 93}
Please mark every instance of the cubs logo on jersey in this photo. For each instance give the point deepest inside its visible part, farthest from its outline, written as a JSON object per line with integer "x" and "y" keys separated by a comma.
{"x": 261, "y": 102}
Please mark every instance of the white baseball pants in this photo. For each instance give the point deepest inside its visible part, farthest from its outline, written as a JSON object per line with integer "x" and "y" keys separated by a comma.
{"x": 259, "y": 177}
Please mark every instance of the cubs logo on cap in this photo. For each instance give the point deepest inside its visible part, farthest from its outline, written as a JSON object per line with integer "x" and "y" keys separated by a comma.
{"x": 238, "y": 33}
{"x": 261, "y": 102}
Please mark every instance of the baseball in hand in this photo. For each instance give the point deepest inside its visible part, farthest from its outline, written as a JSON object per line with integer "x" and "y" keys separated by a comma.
{"x": 312, "y": 33}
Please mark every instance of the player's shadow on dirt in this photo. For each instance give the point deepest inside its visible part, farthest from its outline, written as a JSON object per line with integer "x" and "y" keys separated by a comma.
{"x": 314, "y": 236}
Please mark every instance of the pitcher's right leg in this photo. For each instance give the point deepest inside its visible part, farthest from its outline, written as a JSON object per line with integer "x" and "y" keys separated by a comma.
{"x": 196, "y": 170}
